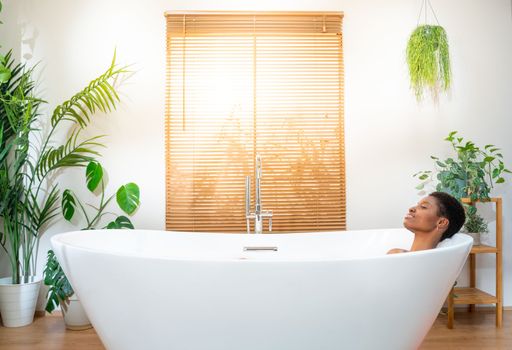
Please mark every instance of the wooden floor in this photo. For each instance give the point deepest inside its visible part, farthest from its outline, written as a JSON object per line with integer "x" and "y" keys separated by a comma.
{"x": 472, "y": 331}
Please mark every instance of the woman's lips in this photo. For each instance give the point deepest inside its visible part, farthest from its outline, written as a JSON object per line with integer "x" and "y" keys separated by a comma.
{"x": 408, "y": 216}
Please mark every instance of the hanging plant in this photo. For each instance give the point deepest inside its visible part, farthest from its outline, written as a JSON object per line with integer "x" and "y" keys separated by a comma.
{"x": 428, "y": 59}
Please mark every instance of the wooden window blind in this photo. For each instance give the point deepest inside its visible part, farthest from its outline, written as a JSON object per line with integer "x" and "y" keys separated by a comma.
{"x": 239, "y": 84}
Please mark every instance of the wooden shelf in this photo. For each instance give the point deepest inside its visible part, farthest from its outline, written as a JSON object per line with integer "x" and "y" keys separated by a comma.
{"x": 468, "y": 295}
{"x": 482, "y": 248}
{"x": 472, "y": 295}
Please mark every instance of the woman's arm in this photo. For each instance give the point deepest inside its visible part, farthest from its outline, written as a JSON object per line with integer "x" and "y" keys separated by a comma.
{"x": 396, "y": 251}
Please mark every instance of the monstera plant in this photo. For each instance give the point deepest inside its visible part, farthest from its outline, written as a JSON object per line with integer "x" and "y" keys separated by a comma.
{"x": 128, "y": 200}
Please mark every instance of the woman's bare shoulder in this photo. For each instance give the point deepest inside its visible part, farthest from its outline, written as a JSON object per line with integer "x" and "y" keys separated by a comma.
{"x": 396, "y": 251}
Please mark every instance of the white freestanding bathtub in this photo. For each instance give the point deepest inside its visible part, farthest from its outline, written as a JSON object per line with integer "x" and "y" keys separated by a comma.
{"x": 303, "y": 291}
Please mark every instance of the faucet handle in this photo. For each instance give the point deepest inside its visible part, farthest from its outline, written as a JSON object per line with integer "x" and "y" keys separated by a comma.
{"x": 268, "y": 214}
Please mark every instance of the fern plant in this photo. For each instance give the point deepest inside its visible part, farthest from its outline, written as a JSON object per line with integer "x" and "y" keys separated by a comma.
{"x": 428, "y": 59}
{"x": 28, "y": 200}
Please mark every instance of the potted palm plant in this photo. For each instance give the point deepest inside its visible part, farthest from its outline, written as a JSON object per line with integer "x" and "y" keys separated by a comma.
{"x": 28, "y": 199}
{"x": 60, "y": 291}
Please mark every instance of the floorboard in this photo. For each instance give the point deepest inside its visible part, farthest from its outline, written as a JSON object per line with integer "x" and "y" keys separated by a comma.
{"x": 473, "y": 331}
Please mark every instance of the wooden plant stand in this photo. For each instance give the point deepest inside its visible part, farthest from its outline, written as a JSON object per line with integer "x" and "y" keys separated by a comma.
{"x": 472, "y": 295}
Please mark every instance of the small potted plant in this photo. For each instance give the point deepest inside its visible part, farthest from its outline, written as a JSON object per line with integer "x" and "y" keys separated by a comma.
{"x": 475, "y": 226}
{"x": 60, "y": 291}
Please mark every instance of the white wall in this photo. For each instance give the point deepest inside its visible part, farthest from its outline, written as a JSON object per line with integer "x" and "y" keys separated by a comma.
{"x": 389, "y": 136}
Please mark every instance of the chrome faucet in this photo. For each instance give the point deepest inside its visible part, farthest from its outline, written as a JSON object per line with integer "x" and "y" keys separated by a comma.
{"x": 258, "y": 214}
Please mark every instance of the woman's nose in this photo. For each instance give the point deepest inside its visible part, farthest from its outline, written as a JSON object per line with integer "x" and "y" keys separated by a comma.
{"x": 412, "y": 209}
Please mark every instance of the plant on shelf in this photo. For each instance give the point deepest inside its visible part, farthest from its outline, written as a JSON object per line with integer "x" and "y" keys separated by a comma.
{"x": 428, "y": 58}
{"x": 475, "y": 225}
{"x": 127, "y": 199}
{"x": 471, "y": 174}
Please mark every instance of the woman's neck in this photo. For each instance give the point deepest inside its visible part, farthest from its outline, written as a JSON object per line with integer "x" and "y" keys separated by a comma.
{"x": 423, "y": 241}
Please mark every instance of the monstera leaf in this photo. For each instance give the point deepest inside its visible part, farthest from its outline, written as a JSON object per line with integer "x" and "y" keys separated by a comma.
{"x": 68, "y": 204}
{"x": 93, "y": 174}
{"x": 128, "y": 197}
{"x": 120, "y": 222}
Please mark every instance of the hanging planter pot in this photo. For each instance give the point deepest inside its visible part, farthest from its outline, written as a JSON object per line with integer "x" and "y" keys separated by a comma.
{"x": 428, "y": 59}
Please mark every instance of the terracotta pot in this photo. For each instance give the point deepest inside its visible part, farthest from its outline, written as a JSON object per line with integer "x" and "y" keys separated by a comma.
{"x": 18, "y": 301}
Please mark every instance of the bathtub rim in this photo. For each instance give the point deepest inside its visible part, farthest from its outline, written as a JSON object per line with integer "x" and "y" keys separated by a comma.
{"x": 464, "y": 240}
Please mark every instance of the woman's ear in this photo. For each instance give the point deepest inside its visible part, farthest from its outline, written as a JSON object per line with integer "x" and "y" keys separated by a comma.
{"x": 442, "y": 224}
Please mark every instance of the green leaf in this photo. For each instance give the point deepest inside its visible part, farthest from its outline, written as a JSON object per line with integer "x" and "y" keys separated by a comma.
{"x": 93, "y": 174}
{"x": 5, "y": 74}
{"x": 68, "y": 204}
{"x": 441, "y": 164}
{"x": 420, "y": 186}
{"x": 423, "y": 177}
{"x": 488, "y": 159}
{"x": 120, "y": 222}
{"x": 500, "y": 180}
{"x": 128, "y": 197}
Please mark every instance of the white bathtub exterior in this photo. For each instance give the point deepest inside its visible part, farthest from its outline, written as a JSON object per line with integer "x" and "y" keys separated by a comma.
{"x": 201, "y": 291}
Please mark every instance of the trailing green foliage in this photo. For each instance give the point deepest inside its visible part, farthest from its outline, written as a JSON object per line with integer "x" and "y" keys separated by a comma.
{"x": 471, "y": 174}
{"x": 428, "y": 59}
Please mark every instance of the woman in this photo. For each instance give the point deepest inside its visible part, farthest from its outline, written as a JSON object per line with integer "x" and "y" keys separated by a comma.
{"x": 434, "y": 218}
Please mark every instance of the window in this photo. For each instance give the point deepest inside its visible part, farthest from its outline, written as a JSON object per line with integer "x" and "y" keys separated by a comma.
{"x": 239, "y": 84}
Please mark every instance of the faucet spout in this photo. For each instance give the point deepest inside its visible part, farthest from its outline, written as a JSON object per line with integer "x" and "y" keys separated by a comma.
{"x": 258, "y": 214}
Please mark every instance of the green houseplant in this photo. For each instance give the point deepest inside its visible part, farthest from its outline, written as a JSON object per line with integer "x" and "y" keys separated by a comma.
{"x": 428, "y": 59}
{"x": 30, "y": 159}
{"x": 472, "y": 173}
{"x": 474, "y": 226}
{"x": 127, "y": 198}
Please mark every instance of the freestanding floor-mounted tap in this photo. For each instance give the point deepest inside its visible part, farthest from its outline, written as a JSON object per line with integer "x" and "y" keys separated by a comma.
{"x": 258, "y": 214}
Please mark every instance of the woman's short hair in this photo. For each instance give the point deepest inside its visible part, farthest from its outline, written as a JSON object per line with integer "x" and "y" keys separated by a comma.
{"x": 450, "y": 208}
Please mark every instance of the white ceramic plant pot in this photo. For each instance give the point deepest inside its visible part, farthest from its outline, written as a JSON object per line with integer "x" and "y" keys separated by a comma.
{"x": 75, "y": 317}
{"x": 476, "y": 237}
{"x": 18, "y": 301}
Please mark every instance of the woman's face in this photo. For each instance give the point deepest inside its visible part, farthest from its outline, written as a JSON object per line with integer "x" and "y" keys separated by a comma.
{"x": 423, "y": 217}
